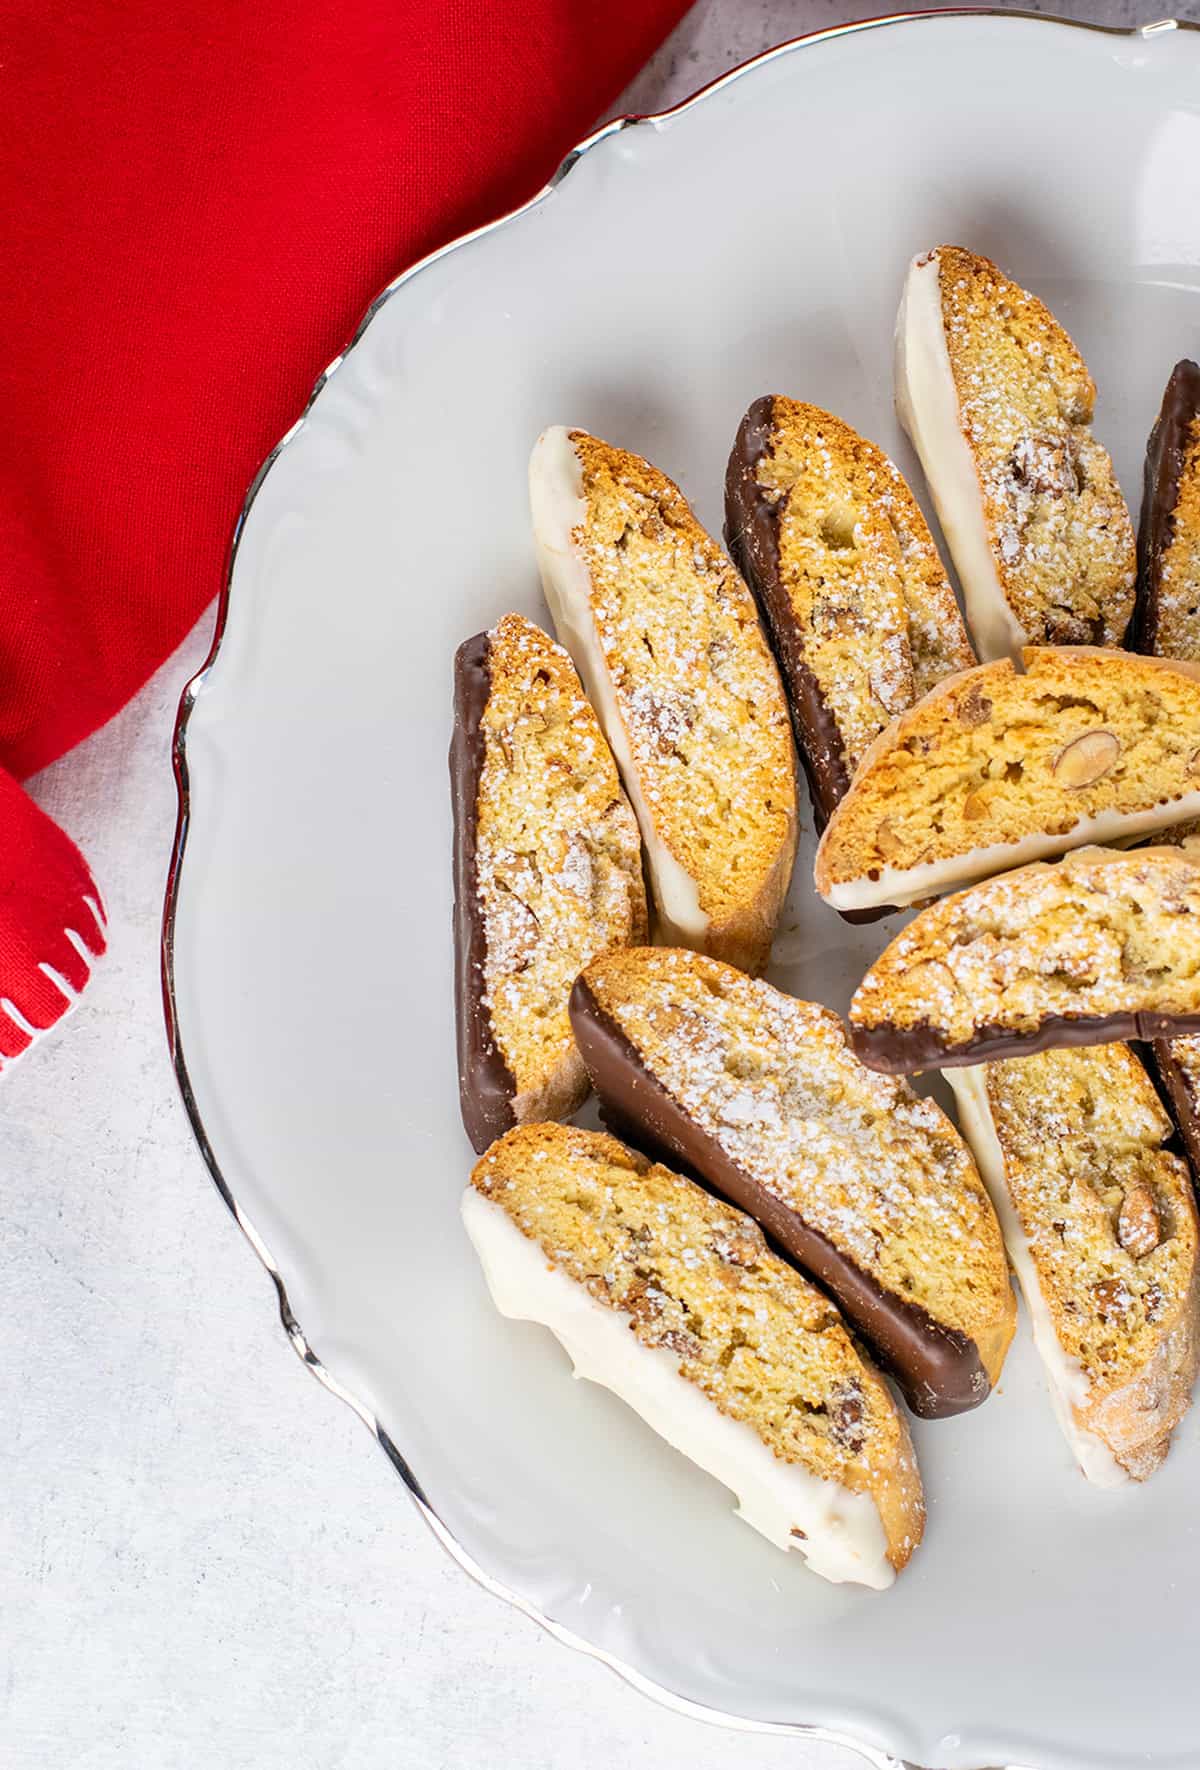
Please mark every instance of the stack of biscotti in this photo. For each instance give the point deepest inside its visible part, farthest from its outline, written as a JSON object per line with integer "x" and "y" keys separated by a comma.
{"x": 547, "y": 867}
{"x": 666, "y": 639}
{"x": 673, "y": 1300}
{"x": 998, "y": 403}
{"x": 846, "y": 577}
{"x": 1100, "y": 1224}
{"x": 867, "y": 1187}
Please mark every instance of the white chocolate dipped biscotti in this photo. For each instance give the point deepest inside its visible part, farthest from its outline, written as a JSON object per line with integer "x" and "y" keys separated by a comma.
{"x": 846, "y": 577}
{"x": 867, "y": 1187}
{"x": 1103, "y": 945}
{"x": 667, "y": 641}
{"x": 547, "y": 873}
{"x": 998, "y": 403}
{"x": 673, "y": 1300}
{"x": 993, "y": 768}
{"x": 1101, "y": 1229}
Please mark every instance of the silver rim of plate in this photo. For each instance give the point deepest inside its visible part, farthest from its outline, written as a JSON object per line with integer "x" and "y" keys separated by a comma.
{"x": 310, "y": 1357}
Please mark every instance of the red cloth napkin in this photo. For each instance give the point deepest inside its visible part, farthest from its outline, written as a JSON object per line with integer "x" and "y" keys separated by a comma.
{"x": 199, "y": 202}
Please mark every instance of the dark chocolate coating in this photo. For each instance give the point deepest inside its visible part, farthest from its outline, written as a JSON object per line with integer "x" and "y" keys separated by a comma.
{"x": 752, "y": 537}
{"x": 904, "y": 1051}
{"x": 1166, "y": 453}
{"x": 485, "y": 1083}
{"x": 1179, "y": 1103}
{"x": 938, "y": 1369}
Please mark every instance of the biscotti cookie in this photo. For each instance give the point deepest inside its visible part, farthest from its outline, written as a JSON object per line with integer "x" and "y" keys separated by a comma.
{"x": 1167, "y": 620}
{"x": 867, "y": 1187}
{"x": 994, "y": 768}
{"x": 667, "y": 642}
{"x": 998, "y": 403}
{"x": 1101, "y": 1229}
{"x": 1103, "y": 945}
{"x": 846, "y": 577}
{"x": 674, "y": 1301}
{"x": 547, "y": 873}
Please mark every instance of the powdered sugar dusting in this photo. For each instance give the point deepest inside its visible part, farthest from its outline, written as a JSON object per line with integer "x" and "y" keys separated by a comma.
{"x": 1082, "y": 1134}
{"x": 1178, "y": 613}
{"x": 856, "y": 1154}
{"x": 1054, "y": 511}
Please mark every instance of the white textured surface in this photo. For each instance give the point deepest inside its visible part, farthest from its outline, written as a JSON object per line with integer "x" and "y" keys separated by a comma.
{"x": 203, "y": 1560}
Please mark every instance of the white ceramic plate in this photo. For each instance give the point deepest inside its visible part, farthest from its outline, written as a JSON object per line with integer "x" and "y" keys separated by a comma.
{"x": 753, "y": 240}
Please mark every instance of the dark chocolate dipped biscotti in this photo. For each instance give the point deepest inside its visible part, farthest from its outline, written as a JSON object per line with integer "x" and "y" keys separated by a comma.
{"x": 1100, "y": 1225}
{"x": 547, "y": 873}
{"x": 999, "y": 404}
{"x": 864, "y": 1185}
{"x": 673, "y": 1300}
{"x": 846, "y": 577}
{"x": 1103, "y": 945}
{"x": 1167, "y": 615}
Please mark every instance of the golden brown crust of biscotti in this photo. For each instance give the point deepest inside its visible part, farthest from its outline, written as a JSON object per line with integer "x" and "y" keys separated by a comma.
{"x": 994, "y": 767}
{"x": 555, "y": 873}
{"x": 1103, "y": 945}
{"x": 869, "y": 1188}
{"x": 1058, "y": 526}
{"x": 697, "y": 1278}
{"x": 1109, "y": 1221}
{"x": 846, "y": 575}
{"x": 698, "y": 693}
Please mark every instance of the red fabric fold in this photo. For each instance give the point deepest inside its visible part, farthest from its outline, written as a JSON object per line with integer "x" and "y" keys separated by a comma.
{"x": 199, "y": 202}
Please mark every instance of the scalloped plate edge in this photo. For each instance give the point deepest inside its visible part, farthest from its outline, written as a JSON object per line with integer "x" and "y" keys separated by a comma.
{"x": 878, "y": 1758}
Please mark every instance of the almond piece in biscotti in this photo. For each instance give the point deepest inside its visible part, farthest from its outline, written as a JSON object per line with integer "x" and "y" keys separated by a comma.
{"x": 1086, "y": 759}
{"x": 1139, "y": 1228}
{"x": 1167, "y": 622}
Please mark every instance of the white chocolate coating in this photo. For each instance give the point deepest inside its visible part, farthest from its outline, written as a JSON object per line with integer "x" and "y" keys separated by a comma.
{"x": 927, "y": 406}
{"x": 844, "y": 1538}
{"x": 906, "y": 885}
{"x": 556, "y": 499}
{"x": 1069, "y": 1386}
